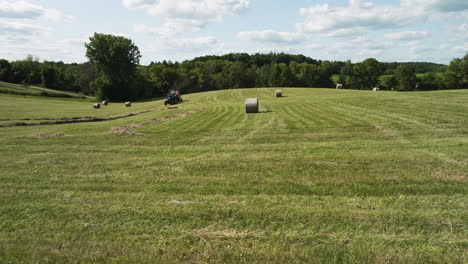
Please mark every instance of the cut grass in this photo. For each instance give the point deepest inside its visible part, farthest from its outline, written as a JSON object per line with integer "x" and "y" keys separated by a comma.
{"x": 319, "y": 176}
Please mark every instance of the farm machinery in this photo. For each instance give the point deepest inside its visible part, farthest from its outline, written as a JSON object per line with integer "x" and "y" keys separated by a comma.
{"x": 173, "y": 98}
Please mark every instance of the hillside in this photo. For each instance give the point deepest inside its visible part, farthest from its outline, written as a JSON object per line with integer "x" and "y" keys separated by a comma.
{"x": 320, "y": 175}
{"x": 31, "y": 90}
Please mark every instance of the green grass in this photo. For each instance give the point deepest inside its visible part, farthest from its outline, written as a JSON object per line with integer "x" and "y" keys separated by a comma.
{"x": 30, "y": 90}
{"x": 320, "y": 176}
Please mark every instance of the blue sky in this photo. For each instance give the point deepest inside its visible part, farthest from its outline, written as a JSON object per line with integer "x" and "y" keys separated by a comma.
{"x": 390, "y": 30}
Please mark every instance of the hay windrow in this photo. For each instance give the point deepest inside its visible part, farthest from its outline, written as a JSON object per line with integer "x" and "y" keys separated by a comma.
{"x": 71, "y": 120}
{"x": 128, "y": 129}
{"x": 45, "y": 136}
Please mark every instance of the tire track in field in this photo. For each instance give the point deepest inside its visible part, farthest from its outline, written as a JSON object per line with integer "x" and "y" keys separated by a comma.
{"x": 72, "y": 120}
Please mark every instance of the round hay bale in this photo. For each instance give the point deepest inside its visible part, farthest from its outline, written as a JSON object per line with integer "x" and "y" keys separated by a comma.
{"x": 251, "y": 105}
{"x": 128, "y": 104}
{"x": 376, "y": 89}
{"x": 279, "y": 93}
{"x": 96, "y": 106}
{"x": 339, "y": 86}
{"x": 105, "y": 102}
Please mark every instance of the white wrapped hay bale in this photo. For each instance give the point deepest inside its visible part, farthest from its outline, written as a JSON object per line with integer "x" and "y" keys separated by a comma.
{"x": 339, "y": 86}
{"x": 376, "y": 89}
{"x": 105, "y": 102}
{"x": 251, "y": 105}
{"x": 279, "y": 93}
{"x": 96, "y": 106}
{"x": 128, "y": 104}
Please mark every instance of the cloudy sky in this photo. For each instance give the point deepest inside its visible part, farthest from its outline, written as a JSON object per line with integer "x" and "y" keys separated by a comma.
{"x": 389, "y": 30}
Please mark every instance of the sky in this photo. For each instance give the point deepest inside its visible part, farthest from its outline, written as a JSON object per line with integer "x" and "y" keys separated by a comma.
{"x": 177, "y": 30}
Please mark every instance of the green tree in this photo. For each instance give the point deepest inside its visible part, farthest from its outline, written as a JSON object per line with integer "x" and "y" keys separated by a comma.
{"x": 325, "y": 74}
{"x": 50, "y": 78}
{"x": 388, "y": 82}
{"x": 163, "y": 78}
{"x": 115, "y": 58}
{"x": 287, "y": 78}
{"x": 406, "y": 78}
{"x": 27, "y": 71}
{"x": 263, "y": 79}
{"x": 274, "y": 78}
{"x": 457, "y": 74}
{"x": 430, "y": 81}
{"x": 5, "y": 71}
{"x": 364, "y": 75}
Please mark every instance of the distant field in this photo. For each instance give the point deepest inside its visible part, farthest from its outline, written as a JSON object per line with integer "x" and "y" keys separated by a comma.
{"x": 18, "y": 89}
{"x": 321, "y": 175}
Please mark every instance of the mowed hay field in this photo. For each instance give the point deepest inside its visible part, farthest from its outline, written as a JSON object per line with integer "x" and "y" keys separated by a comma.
{"x": 318, "y": 176}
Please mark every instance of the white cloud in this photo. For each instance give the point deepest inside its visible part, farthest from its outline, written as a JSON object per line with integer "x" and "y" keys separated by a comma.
{"x": 187, "y": 15}
{"x": 271, "y": 36}
{"x": 322, "y": 18}
{"x": 9, "y": 27}
{"x": 463, "y": 29}
{"x": 363, "y": 43}
{"x": 461, "y": 49}
{"x": 366, "y": 15}
{"x": 171, "y": 27}
{"x": 315, "y": 46}
{"x": 137, "y": 3}
{"x": 436, "y": 5}
{"x": 407, "y": 35}
{"x": 26, "y": 10}
{"x": 346, "y": 32}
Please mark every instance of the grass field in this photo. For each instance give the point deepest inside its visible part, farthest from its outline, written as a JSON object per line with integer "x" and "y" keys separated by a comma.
{"x": 319, "y": 176}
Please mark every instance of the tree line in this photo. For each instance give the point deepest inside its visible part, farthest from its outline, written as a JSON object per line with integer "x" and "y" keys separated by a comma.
{"x": 113, "y": 72}
{"x": 371, "y": 73}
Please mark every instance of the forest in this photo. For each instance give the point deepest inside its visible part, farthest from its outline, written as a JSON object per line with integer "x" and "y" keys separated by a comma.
{"x": 104, "y": 77}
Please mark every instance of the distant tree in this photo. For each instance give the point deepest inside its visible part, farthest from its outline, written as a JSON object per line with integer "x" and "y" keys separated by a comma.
{"x": 163, "y": 78}
{"x": 325, "y": 74}
{"x": 388, "y": 82}
{"x": 430, "y": 81}
{"x": 274, "y": 78}
{"x": 115, "y": 58}
{"x": 50, "y": 78}
{"x": 364, "y": 75}
{"x": 457, "y": 74}
{"x": 27, "y": 71}
{"x": 287, "y": 77}
{"x": 5, "y": 71}
{"x": 307, "y": 74}
{"x": 263, "y": 79}
{"x": 406, "y": 78}
{"x": 87, "y": 74}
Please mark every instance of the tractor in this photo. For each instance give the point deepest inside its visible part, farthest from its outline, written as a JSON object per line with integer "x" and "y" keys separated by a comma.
{"x": 173, "y": 98}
